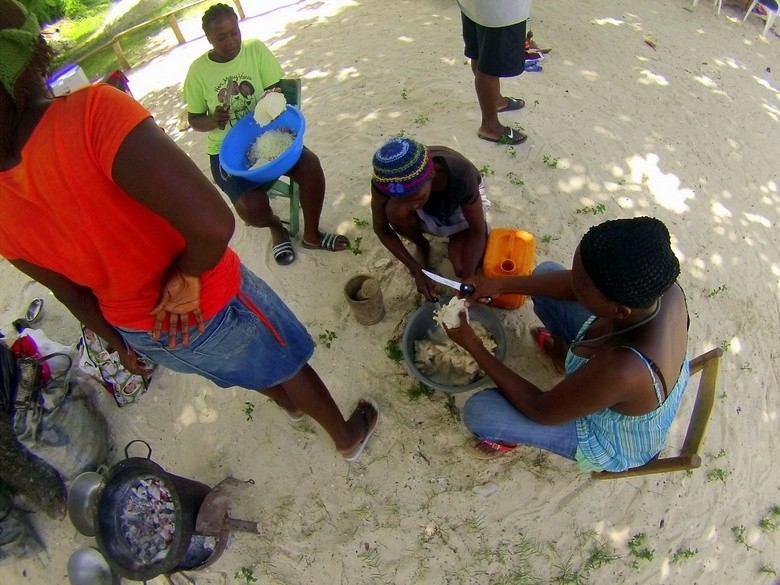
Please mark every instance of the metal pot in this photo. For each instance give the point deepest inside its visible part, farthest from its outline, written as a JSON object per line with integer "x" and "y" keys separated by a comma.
{"x": 186, "y": 495}
{"x": 87, "y": 566}
{"x": 83, "y": 496}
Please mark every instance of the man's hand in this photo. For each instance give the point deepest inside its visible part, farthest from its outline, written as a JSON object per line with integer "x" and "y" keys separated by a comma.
{"x": 180, "y": 298}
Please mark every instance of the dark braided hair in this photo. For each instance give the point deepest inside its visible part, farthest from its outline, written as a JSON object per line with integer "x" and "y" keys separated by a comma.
{"x": 630, "y": 260}
{"x": 215, "y": 12}
{"x": 12, "y": 106}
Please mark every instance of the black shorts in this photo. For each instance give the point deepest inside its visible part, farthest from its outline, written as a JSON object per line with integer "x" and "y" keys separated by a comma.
{"x": 499, "y": 52}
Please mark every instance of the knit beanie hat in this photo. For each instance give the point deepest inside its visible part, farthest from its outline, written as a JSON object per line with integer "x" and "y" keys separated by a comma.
{"x": 17, "y": 47}
{"x": 630, "y": 260}
{"x": 401, "y": 166}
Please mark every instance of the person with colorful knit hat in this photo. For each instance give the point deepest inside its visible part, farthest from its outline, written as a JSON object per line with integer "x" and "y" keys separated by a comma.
{"x": 617, "y": 322}
{"x": 418, "y": 190}
{"x": 133, "y": 239}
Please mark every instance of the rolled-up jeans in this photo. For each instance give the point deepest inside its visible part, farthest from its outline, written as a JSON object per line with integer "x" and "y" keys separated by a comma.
{"x": 490, "y": 416}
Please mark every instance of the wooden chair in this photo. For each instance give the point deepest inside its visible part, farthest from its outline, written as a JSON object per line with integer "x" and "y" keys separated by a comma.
{"x": 285, "y": 186}
{"x": 708, "y": 364}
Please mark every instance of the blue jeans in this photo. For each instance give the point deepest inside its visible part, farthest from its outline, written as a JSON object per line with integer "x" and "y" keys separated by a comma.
{"x": 488, "y": 415}
{"x": 254, "y": 342}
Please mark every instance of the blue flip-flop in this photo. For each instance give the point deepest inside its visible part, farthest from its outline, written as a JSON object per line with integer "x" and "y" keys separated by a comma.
{"x": 533, "y": 67}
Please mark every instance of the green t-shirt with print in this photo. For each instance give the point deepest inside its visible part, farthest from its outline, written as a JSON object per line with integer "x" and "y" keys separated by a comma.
{"x": 240, "y": 81}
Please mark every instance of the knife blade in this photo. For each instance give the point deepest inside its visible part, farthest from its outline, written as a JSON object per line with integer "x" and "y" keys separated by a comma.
{"x": 462, "y": 287}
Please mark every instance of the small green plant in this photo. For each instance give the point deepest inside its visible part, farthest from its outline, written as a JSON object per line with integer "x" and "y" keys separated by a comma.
{"x": 452, "y": 408}
{"x": 404, "y": 94}
{"x": 401, "y": 133}
{"x": 769, "y": 523}
{"x": 739, "y": 534}
{"x": 746, "y": 367}
{"x": 550, "y": 161}
{"x": 518, "y": 127}
{"x": 420, "y": 120}
{"x": 359, "y": 222}
{"x": 245, "y": 574}
{"x": 725, "y": 345}
{"x": 370, "y": 558}
{"x": 767, "y": 570}
{"x": 414, "y": 392}
{"x": 721, "y": 453}
{"x": 637, "y": 548}
{"x": 716, "y": 291}
{"x": 393, "y": 351}
{"x": 536, "y": 103}
{"x": 354, "y": 246}
{"x": 249, "y": 408}
{"x": 547, "y": 238}
{"x": 722, "y": 395}
{"x": 717, "y": 474}
{"x": 515, "y": 179}
{"x": 512, "y": 152}
{"x": 327, "y": 338}
{"x": 594, "y": 209}
{"x": 622, "y": 182}
{"x": 683, "y": 554}
{"x": 485, "y": 170}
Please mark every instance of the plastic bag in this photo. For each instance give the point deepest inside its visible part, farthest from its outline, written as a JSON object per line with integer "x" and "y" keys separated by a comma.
{"x": 96, "y": 361}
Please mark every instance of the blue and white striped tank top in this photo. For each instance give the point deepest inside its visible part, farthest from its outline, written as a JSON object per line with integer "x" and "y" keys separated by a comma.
{"x": 611, "y": 441}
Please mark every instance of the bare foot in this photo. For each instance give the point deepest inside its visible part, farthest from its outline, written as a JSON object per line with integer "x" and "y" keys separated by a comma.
{"x": 295, "y": 414}
{"x": 362, "y": 422}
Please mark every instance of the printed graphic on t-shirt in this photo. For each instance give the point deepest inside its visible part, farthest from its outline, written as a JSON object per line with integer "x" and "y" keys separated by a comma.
{"x": 239, "y": 96}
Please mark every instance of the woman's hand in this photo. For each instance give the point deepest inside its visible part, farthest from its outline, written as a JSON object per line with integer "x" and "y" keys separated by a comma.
{"x": 463, "y": 334}
{"x": 486, "y": 290}
{"x": 221, "y": 116}
{"x": 131, "y": 361}
{"x": 180, "y": 298}
{"x": 425, "y": 286}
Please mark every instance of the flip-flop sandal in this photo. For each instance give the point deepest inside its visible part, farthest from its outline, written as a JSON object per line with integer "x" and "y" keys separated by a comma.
{"x": 356, "y": 452}
{"x": 540, "y": 336}
{"x": 508, "y": 136}
{"x": 484, "y": 449}
{"x": 283, "y": 251}
{"x": 512, "y": 104}
{"x": 533, "y": 67}
{"x": 329, "y": 242}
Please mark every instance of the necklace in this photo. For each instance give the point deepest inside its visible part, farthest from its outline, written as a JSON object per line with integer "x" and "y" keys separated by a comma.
{"x": 619, "y": 331}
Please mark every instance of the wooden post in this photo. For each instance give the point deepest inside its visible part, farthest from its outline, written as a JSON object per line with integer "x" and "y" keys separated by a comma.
{"x": 176, "y": 30}
{"x": 239, "y": 9}
{"x": 123, "y": 62}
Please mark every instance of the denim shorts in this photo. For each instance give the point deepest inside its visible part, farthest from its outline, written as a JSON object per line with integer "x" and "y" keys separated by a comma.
{"x": 254, "y": 342}
{"x": 234, "y": 187}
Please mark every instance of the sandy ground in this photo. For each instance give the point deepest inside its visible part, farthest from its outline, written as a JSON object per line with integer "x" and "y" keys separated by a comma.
{"x": 688, "y": 132}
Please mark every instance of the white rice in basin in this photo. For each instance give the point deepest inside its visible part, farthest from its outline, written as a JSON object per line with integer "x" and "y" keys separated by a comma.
{"x": 268, "y": 146}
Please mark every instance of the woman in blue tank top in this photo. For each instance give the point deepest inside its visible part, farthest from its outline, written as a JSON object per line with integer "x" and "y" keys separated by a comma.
{"x": 617, "y": 324}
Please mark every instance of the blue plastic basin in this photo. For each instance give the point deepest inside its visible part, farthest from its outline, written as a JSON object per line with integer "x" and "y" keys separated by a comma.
{"x": 239, "y": 139}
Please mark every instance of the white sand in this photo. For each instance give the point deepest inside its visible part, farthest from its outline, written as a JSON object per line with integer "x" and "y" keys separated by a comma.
{"x": 688, "y": 133}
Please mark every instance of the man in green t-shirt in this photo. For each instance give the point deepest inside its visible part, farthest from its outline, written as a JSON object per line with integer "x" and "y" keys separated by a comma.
{"x": 224, "y": 85}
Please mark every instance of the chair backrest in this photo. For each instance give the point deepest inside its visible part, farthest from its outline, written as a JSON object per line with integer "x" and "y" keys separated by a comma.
{"x": 709, "y": 365}
{"x": 291, "y": 88}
